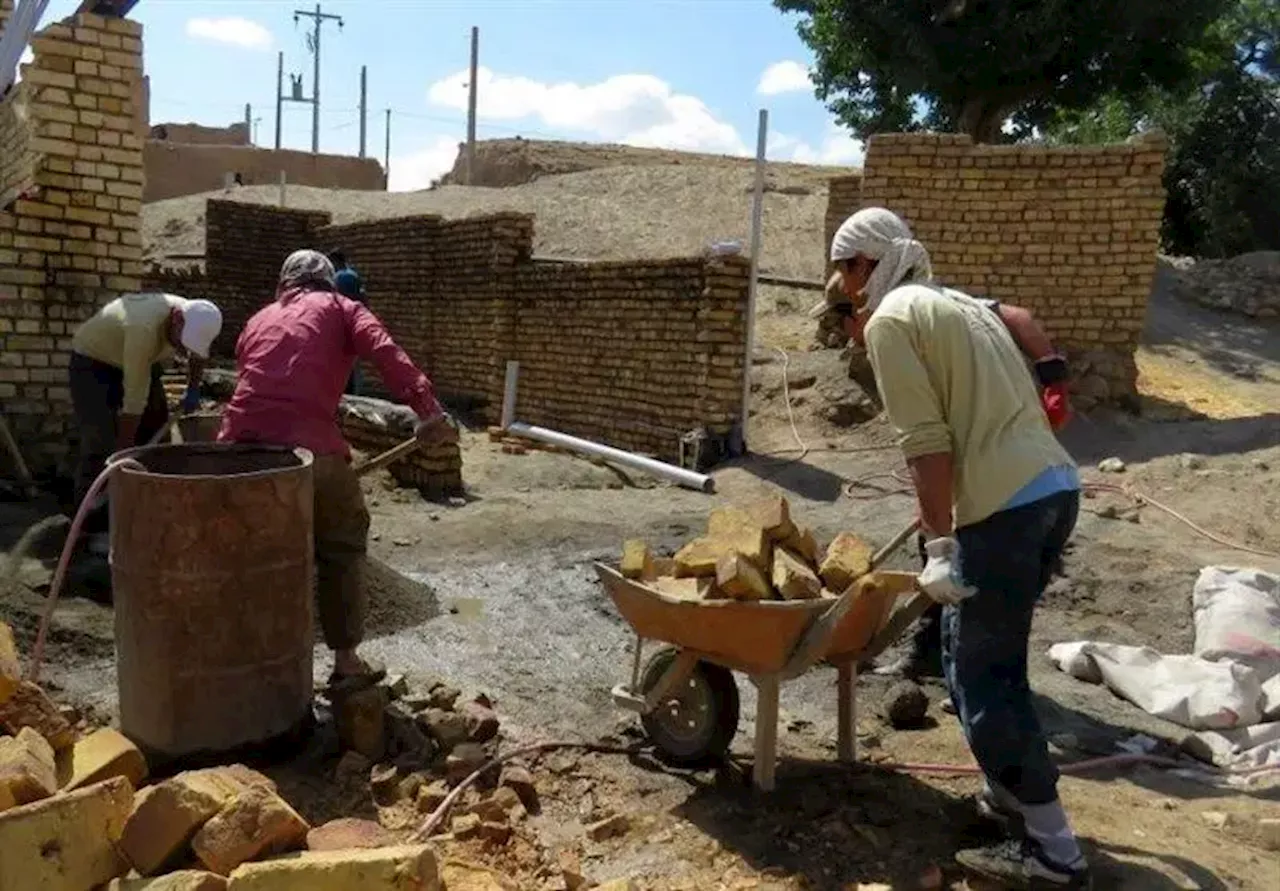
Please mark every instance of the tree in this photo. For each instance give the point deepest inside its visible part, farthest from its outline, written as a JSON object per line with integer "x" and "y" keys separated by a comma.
{"x": 971, "y": 65}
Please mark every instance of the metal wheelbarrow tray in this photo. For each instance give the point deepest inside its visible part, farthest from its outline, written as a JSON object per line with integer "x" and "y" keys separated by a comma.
{"x": 686, "y": 695}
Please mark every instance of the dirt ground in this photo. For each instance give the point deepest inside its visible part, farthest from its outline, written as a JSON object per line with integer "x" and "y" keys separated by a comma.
{"x": 509, "y": 606}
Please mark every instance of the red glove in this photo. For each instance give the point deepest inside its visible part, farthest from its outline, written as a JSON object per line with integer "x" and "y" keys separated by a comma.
{"x": 1057, "y": 405}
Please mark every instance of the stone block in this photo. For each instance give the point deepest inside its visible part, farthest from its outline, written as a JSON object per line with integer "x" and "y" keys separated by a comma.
{"x": 403, "y": 868}
{"x": 66, "y": 842}
{"x": 685, "y": 588}
{"x": 347, "y": 834}
{"x": 771, "y": 514}
{"x": 182, "y": 880}
{"x": 848, "y": 558}
{"x": 10, "y": 664}
{"x": 792, "y": 578}
{"x": 637, "y": 561}
{"x": 739, "y": 578}
{"x": 103, "y": 754}
{"x": 699, "y": 557}
{"x": 254, "y": 824}
{"x": 28, "y": 706}
{"x": 27, "y": 772}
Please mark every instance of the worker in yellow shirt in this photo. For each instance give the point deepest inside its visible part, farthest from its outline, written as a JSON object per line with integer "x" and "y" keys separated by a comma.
{"x": 117, "y": 357}
{"x": 998, "y": 498}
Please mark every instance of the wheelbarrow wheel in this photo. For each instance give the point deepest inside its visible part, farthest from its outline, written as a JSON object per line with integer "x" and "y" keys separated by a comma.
{"x": 698, "y": 720}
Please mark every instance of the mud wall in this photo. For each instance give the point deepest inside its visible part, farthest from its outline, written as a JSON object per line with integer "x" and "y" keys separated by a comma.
{"x": 70, "y": 195}
{"x": 199, "y": 134}
{"x": 632, "y": 353}
{"x": 175, "y": 169}
{"x": 1071, "y": 233}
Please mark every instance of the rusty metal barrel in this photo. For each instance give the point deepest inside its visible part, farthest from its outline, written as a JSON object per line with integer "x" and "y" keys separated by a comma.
{"x": 212, "y": 569}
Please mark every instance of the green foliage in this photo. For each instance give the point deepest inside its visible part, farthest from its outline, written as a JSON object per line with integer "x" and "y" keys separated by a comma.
{"x": 973, "y": 64}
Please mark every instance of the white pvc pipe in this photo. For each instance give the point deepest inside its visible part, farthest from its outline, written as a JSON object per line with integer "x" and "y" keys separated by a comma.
{"x": 509, "y": 394}
{"x": 757, "y": 225}
{"x": 660, "y": 469}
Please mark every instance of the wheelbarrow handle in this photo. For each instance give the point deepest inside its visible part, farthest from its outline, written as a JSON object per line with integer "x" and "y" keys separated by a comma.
{"x": 391, "y": 455}
{"x": 894, "y": 543}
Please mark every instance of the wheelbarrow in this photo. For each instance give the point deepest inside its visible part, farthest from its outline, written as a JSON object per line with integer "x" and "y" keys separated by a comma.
{"x": 685, "y": 693}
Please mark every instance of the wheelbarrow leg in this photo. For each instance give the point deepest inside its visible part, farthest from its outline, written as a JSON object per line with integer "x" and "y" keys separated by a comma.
{"x": 766, "y": 755}
{"x": 847, "y": 711}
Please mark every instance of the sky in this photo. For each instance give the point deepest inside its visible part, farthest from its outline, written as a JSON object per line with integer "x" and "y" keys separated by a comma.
{"x": 681, "y": 74}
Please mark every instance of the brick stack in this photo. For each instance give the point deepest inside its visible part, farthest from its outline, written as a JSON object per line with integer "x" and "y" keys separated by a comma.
{"x": 374, "y": 426}
{"x": 1071, "y": 233}
{"x": 69, "y": 222}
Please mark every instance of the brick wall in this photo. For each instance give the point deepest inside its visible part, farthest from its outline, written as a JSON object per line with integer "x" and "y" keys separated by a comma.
{"x": 69, "y": 204}
{"x": 844, "y": 196}
{"x": 1071, "y": 233}
{"x": 175, "y": 169}
{"x": 631, "y": 353}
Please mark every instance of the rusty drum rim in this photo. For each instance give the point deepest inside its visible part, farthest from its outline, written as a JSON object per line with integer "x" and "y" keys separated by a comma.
{"x": 305, "y": 456}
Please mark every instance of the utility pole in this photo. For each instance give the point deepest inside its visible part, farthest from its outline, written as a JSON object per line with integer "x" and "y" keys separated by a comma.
{"x": 471, "y": 103}
{"x": 386, "y": 161}
{"x": 364, "y": 106}
{"x": 248, "y": 122}
{"x": 314, "y": 40}
{"x": 279, "y": 98}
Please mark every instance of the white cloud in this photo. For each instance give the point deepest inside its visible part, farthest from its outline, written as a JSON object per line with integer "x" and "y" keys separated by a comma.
{"x": 788, "y": 76}
{"x": 418, "y": 169}
{"x": 634, "y": 109}
{"x": 234, "y": 31}
{"x": 837, "y": 148}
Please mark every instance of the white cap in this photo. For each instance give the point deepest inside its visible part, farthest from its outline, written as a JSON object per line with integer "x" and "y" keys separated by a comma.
{"x": 201, "y": 322}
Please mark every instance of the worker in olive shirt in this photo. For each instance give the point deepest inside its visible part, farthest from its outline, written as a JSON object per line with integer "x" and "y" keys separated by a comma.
{"x": 117, "y": 357}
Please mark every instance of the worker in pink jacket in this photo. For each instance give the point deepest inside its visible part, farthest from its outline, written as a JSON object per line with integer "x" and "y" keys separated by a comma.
{"x": 293, "y": 360}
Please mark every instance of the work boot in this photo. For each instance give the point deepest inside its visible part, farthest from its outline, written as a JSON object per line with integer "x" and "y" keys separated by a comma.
{"x": 990, "y": 808}
{"x": 923, "y": 658}
{"x": 1022, "y": 864}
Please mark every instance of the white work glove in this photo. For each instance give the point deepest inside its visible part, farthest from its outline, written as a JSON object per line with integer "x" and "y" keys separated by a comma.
{"x": 940, "y": 578}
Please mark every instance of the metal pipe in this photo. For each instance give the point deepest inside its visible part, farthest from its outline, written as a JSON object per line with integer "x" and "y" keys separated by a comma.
{"x": 757, "y": 226}
{"x": 509, "y": 394}
{"x": 660, "y": 469}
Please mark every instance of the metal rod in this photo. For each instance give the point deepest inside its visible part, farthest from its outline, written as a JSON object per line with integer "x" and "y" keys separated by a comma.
{"x": 364, "y": 108}
{"x": 509, "y": 394}
{"x": 386, "y": 161}
{"x": 471, "y": 105}
{"x": 757, "y": 221}
{"x": 279, "y": 98}
{"x": 660, "y": 469}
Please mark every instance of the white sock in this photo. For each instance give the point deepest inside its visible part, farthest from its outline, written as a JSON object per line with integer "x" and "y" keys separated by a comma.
{"x": 1047, "y": 825}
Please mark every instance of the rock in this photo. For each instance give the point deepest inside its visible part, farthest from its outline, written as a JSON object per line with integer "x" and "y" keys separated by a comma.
{"x": 10, "y": 664}
{"x": 166, "y": 816}
{"x": 432, "y": 795}
{"x": 408, "y": 787}
{"x": 99, "y": 756}
{"x": 67, "y": 842}
{"x": 739, "y": 578}
{"x": 1111, "y": 465}
{"x": 608, "y": 827}
{"x": 465, "y": 826}
{"x": 481, "y": 722}
{"x": 1269, "y": 829}
{"x": 183, "y": 880}
{"x": 1216, "y": 819}
{"x": 848, "y": 558}
{"x": 254, "y": 824}
{"x": 384, "y": 780}
{"x": 463, "y": 761}
{"x": 461, "y": 876}
{"x": 447, "y": 728}
{"x": 686, "y": 588}
{"x": 443, "y": 696}
{"x": 27, "y": 772}
{"x": 637, "y": 561}
{"x": 771, "y": 515}
{"x": 347, "y": 834}
{"x": 905, "y": 706}
{"x": 698, "y": 558}
{"x": 404, "y": 868}
{"x": 803, "y": 543}
{"x": 571, "y": 870}
{"x": 792, "y": 578}
{"x": 397, "y": 686}
{"x": 845, "y": 404}
{"x": 495, "y": 831}
{"x": 361, "y": 722}
{"x": 28, "y": 706}
{"x": 1192, "y": 462}
{"x": 520, "y": 780}
{"x": 1259, "y": 464}
{"x": 1109, "y": 512}
{"x": 618, "y": 885}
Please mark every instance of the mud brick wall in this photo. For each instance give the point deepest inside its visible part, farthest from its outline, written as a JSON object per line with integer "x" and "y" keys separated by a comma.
{"x": 70, "y": 196}
{"x": 1071, "y": 233}
{"x": 844, "y": 196}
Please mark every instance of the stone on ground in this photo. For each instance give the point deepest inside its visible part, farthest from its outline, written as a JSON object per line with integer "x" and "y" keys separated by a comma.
{"x": 447, "y": 728}
{"x": 28, "y": 706}
{"x": 404, "y": 868}
{"x": 67, "y": 842}
{"x": 254, "y": 824}
{"x": 481, "y": 722}
{"x": 459, "y": 875}
{"x": 793, "y": 579}
{"x": 361, "y": 721}
{"x": 520, "y": 780}
{"x": 904, "y": 706}
{"x": 27, "y": 772}
{"x": 739, "y": 578}
{"x": 10, "y": 664}
{"x": 167, "y": 815}
{"x": 848, "y": 558}
{"x": 183, "y": 880}
{"x": 347, "y": 834}
{"x": 101, "y": 755}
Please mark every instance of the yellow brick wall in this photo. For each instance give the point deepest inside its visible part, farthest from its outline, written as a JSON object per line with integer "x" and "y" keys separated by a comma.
{"x": 70, "y": 235}
{"x": 1070, "y": 233}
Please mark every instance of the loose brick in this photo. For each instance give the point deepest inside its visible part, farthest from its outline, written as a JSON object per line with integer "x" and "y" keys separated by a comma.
{"x": 739, "y": 578}
{"x": 793, "y": 579}
{"x": 103, "y": 754}
{"x": 347, "y": 834}
{"x": 26, "y": 768}
{"x": 771, "y": 514}
{"x": 848, "y": 558}
{"x": 28, "y": 706}
{"x": 700, "y": 556}
{"x": 183, "y": 880}
{"x": 685, "y": 588}
{"x": 67, "y": 842}
{"x": 637, "y": 561}
{"x": 10, "y": 664}
{"x": 804, "y": 544}
{"x": 255, "y": 823}
{"x": 404, "y": 868}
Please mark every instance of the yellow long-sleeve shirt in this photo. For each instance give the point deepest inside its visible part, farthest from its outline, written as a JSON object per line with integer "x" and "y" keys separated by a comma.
{"x": 952, "y": 380}
{"x": 131, "y": 333}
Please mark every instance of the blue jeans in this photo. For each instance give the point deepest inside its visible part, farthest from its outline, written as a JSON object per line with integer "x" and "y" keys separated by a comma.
{"x": 1009, "y": 557}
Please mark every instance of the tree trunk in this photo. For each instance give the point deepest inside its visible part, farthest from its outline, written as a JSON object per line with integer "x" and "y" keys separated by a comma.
{"x": 982, "y": 118}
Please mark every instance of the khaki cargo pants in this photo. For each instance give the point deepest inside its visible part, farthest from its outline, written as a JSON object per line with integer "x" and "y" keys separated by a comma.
{"x": 341, "y": 540}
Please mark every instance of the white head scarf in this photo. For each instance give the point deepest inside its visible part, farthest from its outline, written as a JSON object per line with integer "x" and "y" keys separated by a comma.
{"x": 305, "y": 269}
{"x": 881, "y": 235}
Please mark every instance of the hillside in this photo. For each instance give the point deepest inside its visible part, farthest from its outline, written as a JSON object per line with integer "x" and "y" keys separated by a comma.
{"x": 624, "y": 212}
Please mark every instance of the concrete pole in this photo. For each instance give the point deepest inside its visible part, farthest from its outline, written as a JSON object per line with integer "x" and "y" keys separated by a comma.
{"x": 364, "y": 107}
{"x": 471, "y": 104}
{"x": 279, "y": 98}
{"x": 248, "y": 123}
{"x": 315, "y": 88}
{"x": 757, "y": 224}
{"x": 386, "y": 161}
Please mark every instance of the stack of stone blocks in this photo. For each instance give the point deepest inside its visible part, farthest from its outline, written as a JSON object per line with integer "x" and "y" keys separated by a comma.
{"x": 70, "y": 196}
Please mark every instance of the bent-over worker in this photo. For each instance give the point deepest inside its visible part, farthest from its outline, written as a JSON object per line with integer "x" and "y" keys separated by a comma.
{"x": 117, "y": 359}
{"x": 998, "y": 498}
{"x": 292, "y": 360}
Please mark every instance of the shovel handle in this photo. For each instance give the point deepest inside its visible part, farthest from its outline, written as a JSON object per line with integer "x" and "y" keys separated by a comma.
{"x": 894, "y": 543}
{"x": 395, "y": 453}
